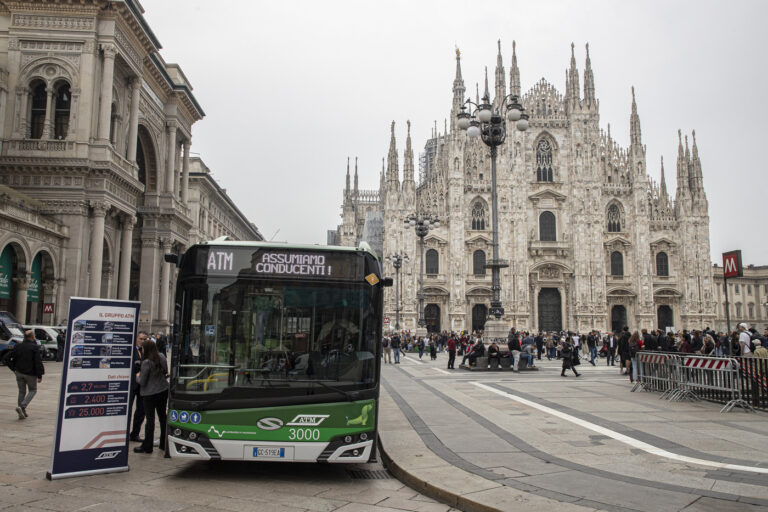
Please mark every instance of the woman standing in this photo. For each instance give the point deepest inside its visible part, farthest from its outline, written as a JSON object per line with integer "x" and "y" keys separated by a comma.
{"x": 154, "y": 393}
{"x": 567, "y": 353}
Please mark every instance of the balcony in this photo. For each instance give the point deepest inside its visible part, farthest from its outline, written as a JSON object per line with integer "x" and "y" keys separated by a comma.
{"x": 557, "y": 249}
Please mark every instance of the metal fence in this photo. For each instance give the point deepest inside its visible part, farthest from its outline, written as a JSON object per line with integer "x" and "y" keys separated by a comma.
{"x": 733, "y": 381}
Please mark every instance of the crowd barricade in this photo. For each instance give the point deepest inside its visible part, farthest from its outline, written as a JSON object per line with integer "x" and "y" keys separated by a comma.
{"x": 754, "y": 384}
{"x": 654, "y": 372}
{"x": 682, "y": 376}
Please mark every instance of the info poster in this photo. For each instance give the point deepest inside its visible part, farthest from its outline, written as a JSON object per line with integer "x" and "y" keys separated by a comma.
{"x": 92, "y": 422}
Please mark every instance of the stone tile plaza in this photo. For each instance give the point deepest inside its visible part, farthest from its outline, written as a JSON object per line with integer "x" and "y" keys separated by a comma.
{"x": 529, "y": 310}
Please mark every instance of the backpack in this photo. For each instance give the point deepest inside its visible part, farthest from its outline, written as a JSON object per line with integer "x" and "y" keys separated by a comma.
{"x": 634, "y": 347}
{"x": 9, "y": 359}
{"x": 385, "y": 343}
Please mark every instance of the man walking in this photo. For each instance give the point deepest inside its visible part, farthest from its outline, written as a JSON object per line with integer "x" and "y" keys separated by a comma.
{"x": 451, "y": 352}
{"x": 138, "y": 415}
{"x": 745, "y": 341}
{"x": 513, "y": 342}
{"x": 26, "y": 360}
{"x": 396, "y": 347}
{"x": 592, "y": 345}
{"x": 610, "y": 349}
{"x": 387, "y": 349}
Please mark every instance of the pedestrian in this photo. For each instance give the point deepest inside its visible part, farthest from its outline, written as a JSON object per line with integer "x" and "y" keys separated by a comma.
{"x": 154, "y": 394}
{"x": 745, "y": 341}
{"x": 592, "y": 346}
{"x": 60, "y": 342}
{"x": 385, "y": 342}
{"x": 513, "y": 342}
{"x": 635, "y": 345}
{"x": 539, "y": 340}
{"x": 451, "y": 352}
{"x": 610, "y": 349}
{"x": 432, "y": 349}
{"x": 138, "y": 414}
{"x": 623, "y": 350}
{"x": 396, "y": 347}
{"x": 420, "y": 347}
{"x": 567, "y": 352}
{"x": 25, "y": 359}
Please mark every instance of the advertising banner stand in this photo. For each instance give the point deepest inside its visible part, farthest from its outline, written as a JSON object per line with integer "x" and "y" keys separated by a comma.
{"x": 96, "y": 380}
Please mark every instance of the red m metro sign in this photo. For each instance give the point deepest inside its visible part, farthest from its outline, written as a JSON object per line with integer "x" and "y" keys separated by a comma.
{"x": 732, "y": 264}
{"x": 47, "y": 309}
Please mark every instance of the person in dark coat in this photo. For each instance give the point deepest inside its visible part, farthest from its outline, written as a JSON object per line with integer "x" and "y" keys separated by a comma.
{"x": 568, "y": 354}
{"x": 623, "y": 349}
{"x": 26, "y": 361}
{"x": 60, "y": 342}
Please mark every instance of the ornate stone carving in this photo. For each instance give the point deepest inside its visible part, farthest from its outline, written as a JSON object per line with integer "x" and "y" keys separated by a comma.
{"x": 53, "y": 22}
{"x": 127, "y": 50}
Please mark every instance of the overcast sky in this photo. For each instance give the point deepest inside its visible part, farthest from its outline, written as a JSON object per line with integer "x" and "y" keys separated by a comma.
{"x": 292, "y": 88}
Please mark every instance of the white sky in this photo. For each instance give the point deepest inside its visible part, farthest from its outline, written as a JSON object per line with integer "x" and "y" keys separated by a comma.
{"x": 292, "y": 88}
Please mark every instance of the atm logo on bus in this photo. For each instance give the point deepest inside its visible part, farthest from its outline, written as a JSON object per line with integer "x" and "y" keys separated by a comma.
{"x": 220, "y": 260}
{"x": 308, "y": 420}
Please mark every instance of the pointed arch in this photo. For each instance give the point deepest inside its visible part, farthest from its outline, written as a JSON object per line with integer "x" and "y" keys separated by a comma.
{"x": 545, "y": 149}
{"x": 478, "y": 214}
{"x": 614, "y": 217}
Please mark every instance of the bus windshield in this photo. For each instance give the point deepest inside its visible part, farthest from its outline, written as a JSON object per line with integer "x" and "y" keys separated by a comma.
{"x": 253, "y": 340}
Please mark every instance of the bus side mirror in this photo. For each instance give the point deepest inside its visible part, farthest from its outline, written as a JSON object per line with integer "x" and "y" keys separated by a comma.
{"x": 387, "y": 281}
{"x": 172, "y": 258}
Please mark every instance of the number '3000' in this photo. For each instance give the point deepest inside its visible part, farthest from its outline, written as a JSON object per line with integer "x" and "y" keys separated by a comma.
{"x": 304, "y": 434}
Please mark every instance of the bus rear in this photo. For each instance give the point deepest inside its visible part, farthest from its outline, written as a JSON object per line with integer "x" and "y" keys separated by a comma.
{"x": 275, "y": 354}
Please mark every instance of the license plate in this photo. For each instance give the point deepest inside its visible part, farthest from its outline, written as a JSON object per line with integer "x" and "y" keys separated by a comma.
{"x": 268, "y": 452}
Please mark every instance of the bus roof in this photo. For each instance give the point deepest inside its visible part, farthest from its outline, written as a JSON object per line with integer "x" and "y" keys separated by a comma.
{"x": 224, "y": 241}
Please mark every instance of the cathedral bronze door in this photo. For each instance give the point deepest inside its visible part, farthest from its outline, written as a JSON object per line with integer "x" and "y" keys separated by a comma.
{"x": 550, "y": 310}
{"x": 479, "y": 316}
{"x": 618, "y": 318}
{"x": 432, "y": 317}
{"x": 665, "y": 317}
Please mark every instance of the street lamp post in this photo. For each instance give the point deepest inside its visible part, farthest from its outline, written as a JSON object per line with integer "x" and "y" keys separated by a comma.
{"x": 487, "y": 122}
{"x": 397, "y": 261}
{"x": 422, "y": 223}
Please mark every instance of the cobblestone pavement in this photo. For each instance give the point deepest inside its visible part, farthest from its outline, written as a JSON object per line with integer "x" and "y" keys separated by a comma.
{"x": 158, "y": 484}
{"x": 538, "y": 441}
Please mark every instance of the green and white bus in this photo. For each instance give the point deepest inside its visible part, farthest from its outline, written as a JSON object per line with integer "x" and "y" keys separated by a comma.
{"x": 276, "y": 353}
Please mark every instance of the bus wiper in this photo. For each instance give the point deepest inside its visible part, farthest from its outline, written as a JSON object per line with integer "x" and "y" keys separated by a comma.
{"x": 349, "y": 395}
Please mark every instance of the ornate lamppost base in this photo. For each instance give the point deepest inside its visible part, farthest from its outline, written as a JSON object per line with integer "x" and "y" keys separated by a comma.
{"x": 420, "y": 331}
{"x": 495, "y": 329}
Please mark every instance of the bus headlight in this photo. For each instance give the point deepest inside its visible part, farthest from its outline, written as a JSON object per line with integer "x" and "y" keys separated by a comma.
{"x": 348, "y": 439}
{"x": 192, "y": 436}
{"x": 363, "y": 436}
{"x": 177, "y": 432}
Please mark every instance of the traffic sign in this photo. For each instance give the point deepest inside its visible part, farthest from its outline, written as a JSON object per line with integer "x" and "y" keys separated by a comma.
{"x": 732, "y": 264}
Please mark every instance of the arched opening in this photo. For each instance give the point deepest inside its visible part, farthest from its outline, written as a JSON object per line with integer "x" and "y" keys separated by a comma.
{"x": 547, "y": 227}
{"x": 613, "y": 219}
{"x": 146, "y": 160}
{"x": 617, "y": 264}
{"x": 665, "y": 318}
{"x": 662, "y": 264}
{"x": 13, "y": 265}
{"x": 37, "y": 109}
{"x": 479, "y": 316}
{"x": 432, "y": 262}
{"x": 40, "y": 291}
{"x": 618, "y": 318}
{"x": 478, "y": 216}
{"x": 432, "y": 317}
{"x": 62, "y": 106}
{"x": 478, "y": 262}
{"x": 550, "y": 310}
{"x": 544, "y": 159}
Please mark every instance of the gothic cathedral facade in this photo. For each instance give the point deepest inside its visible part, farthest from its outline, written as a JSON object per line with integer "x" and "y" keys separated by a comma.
{"x": 591, "y": 240}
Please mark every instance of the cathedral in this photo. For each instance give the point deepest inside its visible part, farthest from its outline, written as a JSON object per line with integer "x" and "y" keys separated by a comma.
{"x": 591, "y": 240}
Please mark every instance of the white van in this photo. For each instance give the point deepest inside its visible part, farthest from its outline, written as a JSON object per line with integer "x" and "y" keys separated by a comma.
{"x": 46, "y": 336}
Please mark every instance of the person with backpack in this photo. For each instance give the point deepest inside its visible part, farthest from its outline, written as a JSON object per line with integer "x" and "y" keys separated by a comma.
{"x": 387, "y": 349}
{"x": 745, "y": 341}
{"x": 635, "y": 346}
{"x": 154, "y": 394}
{"x": 570, "y": 357}
{"x": 25, "y": 359}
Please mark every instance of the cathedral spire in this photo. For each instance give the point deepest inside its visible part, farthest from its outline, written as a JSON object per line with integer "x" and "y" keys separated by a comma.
{"x": 635, "y": 137}
{"x": 514, "y": 74}
{"x": 393, "y": 169}
{"x": 683, "y": 187}
{"x": 696, "y": 178}
{"x": 408, "y": 159}
{"x": 589, "y": 82}
{"x": 486, "y": 94}
{"x": 664, "y": 195}
{"x": 346, "y": 191}
{"x": 356, "y": 189}
{"x": 501, "y": 84}
{"x": 381, "y": 177}
{"x": 572, "y": 83}
{"x": 458, "y": 92}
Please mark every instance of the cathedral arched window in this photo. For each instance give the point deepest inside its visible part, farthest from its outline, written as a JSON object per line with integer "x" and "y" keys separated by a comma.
{"x": 544, "y": 160}
{"x": 478, "y": 262}
{"x": 37, "y": 110}
{"x": 432, "y": 262}
{"x": 62, "y": 102}
{"x": 614, "y": 219}
{"x": 478, "y": 216}
{"x": 662, "y": 264}
{"x": 617, "y": 264}
{"x": 547, "y": 227}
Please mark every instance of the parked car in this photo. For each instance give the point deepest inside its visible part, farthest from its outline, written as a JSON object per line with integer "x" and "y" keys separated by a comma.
{"x": 46, "y": 335}
{"x": 11, "y": 332}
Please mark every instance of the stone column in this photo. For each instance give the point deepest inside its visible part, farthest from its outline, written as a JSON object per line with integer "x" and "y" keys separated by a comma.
{"x": 126, "y": 247}
{"x": 165, "y": 282}
{"x": 97, "y": 248}
{"x": 47, "y": 134}
{"x": 171, "y": 163}
{"x": 107, "y": 75}
{"x": 148, "y": 279}
{"x": 133, "y": 126}
{"x": 21, "y": 284}
{"x": 185, "y": 173}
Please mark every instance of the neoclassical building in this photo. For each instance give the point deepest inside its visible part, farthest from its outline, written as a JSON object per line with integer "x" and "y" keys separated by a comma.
{"x": 95, "y": 176}
{"x": 591, "y": 240}
{"x": 747, "y": 298}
